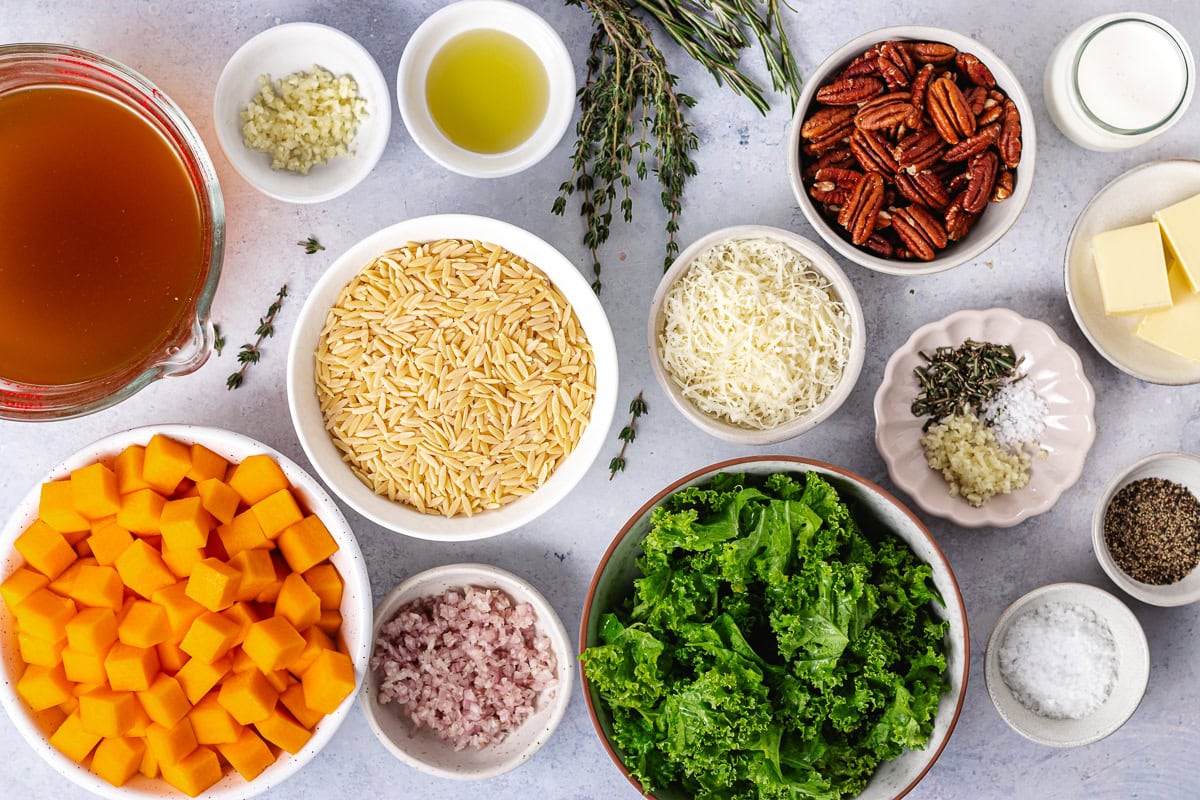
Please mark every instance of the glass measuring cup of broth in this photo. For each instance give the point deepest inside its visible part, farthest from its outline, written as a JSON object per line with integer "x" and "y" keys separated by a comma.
{"x": 112, "y": 232}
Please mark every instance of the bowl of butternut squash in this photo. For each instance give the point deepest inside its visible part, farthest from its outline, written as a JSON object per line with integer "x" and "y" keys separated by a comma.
{"x": 185, "y": 612}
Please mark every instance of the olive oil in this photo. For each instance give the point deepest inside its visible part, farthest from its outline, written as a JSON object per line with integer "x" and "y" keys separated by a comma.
{"x": 487, "y": 91}
{"x": 100, "y": 237}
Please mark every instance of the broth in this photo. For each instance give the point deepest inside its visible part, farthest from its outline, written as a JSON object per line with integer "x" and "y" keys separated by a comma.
{"x": 101, "y": 244}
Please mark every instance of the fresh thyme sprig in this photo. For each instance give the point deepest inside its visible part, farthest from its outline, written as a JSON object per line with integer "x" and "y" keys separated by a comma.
{"x": 636, "y": 409}
{"x": 311, "y": 245}
{"x": 632, "y": 117}
{"x": 218, "y": 339}
{"x": 251, "y": 353}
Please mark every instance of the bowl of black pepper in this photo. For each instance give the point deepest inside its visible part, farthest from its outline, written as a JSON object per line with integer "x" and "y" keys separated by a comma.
{"x": 1146, "y": 529}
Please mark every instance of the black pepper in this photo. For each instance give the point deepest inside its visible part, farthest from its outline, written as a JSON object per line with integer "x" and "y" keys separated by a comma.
{"x": 1152, "y": 529}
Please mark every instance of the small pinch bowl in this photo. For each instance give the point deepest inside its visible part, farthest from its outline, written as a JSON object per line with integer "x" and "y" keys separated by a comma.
{"x": 1181, "y": 468}
{"x": 996, "y": 219}
{"x": 422, "y": 749}
{"x": 280, "y": 51}
{"x": 355, "y": 609}
{"x": 614, "y": 576}
{"x": 840, "y": 286}
{"x": 1133, "y": 669}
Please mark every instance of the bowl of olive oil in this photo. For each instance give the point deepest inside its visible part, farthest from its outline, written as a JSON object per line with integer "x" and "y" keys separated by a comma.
{"x": 486, "y": 88}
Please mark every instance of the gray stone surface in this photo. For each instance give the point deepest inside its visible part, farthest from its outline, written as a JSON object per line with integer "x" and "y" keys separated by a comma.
{"x": 742, "y": 179}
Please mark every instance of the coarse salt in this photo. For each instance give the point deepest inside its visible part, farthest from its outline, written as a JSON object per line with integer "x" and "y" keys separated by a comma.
{"x": 1016, "y": 414}
{"x": 1059, "y": 660}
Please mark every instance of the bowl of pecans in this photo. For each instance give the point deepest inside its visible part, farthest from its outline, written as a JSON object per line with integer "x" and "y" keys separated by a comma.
{"x": 903, "y": 141}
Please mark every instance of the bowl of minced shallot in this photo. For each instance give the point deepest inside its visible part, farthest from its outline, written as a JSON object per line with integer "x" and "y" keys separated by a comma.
{"x": 470, "y": 671}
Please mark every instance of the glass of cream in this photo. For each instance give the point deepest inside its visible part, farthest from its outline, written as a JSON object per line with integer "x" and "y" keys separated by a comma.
{"x": 1119, "y": 80}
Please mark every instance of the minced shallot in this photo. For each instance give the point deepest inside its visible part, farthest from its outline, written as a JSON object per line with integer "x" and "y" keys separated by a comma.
{"x": 469, "y": 665}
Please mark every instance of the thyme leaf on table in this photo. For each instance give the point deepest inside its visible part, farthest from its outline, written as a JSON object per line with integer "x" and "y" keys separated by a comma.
{"x": 628, "y": 433}
{"x": 251, "y": 353}
{"x": 311, "y": 245}
{"x": 218, "y": 339}
{"x": 967, "y": 375}
{"x": 632, "y": 116}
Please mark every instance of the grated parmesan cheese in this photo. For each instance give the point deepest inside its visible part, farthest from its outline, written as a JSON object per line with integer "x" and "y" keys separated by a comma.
{"x": 753, "y": 334}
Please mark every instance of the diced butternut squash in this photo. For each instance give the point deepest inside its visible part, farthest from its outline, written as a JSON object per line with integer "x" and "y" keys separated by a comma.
{"x": 129, "y": 668}
{"x": 22, "y": 583}
{"x": 212, "y": 723}
{"x": 328, "y": 681}
{"x": 141, "y": 722}
{"x": 243, "y": 533}
{"x": 297, "y": 603}
{"x": 63, "y": 583}
{"x": 213, "y": 584}
{"x": 209, "y": 637}
{"x": 181, "y": 609}
{"x": 84, "y": 668}
{"x": 293, "y": 699}
{"x": 330, "y": 621}
{"x": 271, "y": 593}
{"x": 248, "y": 754}
{"x": 142, "y": 569}
{"x": 165, "y": 464}
{"x": 325, "y": 580}
{"x": 149, "y": 765}
{"x": 273, "y": 644}
{"x": 92, "y": 630}
{"x": 195, "y": 773}
{"x": 97, "y": 587}
{"x": 42, "y": 652}
{"x": 315, "y": 640}
{"x": 141, "y": 511}
{"x": 164, "y": 702}
{"x": 306, "y": 543}
{"x": 277, "y": 512}
{"x": 170, "y": 657}
{"x": 128, "y": 468}
{"x": 118, "y": 760}
{"x": 218, "y": 499}
{"x": 45, "y": 615}
{"x": 45, "y": 549}
{"x": 283, "y": 731}
{"x": 244, "y": 615}
{"x": 83, "y": 547}
{"x": 171, "y": 743}
{"x": 109, "y": 540}
{"x": 94, "y": 491}
{"x": 56, "y": 508}
{"x": 144, "y": 624}
{"x": 256, "y": 477}
{"x": 72, "y": 740}
{"x": 184, "y": 523}
{"x": 182, "y": 562}
{"x": 206, "y": 464}
{"x": 197, "y": 676}
{"x": 280, "y": 679}
{"x": 109, "y": 713}
{"x": 43, "y": 687}
{"x": 247, "y": 696}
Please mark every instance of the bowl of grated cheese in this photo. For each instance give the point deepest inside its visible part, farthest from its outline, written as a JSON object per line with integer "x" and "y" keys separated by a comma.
{"x": 756, "y": 335}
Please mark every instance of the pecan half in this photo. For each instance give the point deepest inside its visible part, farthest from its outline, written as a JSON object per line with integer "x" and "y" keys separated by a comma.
{"x": 919, "y": 231}
{"x": 859, "y": 213}
{"x": 880, "y": 246}
{"x": 1004, "y": 186}
{"x": 833, "y": 184}
{"x": 1009, "y": 143}
{"x": 982, "y": 171}
{"x": 884, "y": 111}
{"x": 833, "y": 158}
{"x": 976, "y": 98}
{"x": 919, "y": 150}
{"x": 849, "y": 91}
{"x": 924, "y": 188}
{"x": 863, "y": 65}
{"x": 932, "y": 52}
{"x": 975, "y": 70}
{"x": 968, "y": 147}
{"x": 920, "y": 85}
{"x": 957, "y": 183}
{"x": 949, "y": 111}
{"x": 958, "y": 221}
{"x": 895, "y": 64}
{"x": 872, "y": 152}
{"x": 825, "y": 121}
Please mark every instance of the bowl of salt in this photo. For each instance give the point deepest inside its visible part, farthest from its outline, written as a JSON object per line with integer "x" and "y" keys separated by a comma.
{"x": 1066, "y": 664}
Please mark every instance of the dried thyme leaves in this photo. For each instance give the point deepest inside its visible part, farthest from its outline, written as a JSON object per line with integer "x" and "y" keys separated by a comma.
{"x": 963, "y": 376}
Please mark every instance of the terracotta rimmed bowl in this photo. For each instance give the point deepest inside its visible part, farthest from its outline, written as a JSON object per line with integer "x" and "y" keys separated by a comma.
{"x": 613, "y": 582}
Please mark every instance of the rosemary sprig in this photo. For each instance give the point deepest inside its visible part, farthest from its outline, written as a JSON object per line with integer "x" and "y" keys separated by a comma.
{"x": 311, "y": 245}
{"x": 218, "y": 339}
{"x": 967, "y": 375}
{"x": 628, "y": 433}
{"x": 632, "y": 116}
{"x": 251, "y": 353}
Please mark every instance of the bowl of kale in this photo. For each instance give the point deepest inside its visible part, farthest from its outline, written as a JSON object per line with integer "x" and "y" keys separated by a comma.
{"x": 774, "y": 627}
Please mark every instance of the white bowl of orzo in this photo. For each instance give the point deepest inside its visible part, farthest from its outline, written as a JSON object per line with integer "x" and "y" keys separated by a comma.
{"x": 452, "y": 377}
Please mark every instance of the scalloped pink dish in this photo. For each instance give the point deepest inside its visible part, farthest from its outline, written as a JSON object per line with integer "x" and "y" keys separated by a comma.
{"x": 1058, "y": 377}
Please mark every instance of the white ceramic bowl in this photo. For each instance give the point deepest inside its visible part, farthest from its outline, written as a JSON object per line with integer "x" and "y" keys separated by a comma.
{"x": 356, "y": 613}
{"x": 1058, "y": 377}
{"x": 1133, "y": 669}
{"x": 1128, "y": 199}
{"x": 310, "y": 426}
{"x": 996, "y": 219}
{"x": 421, "y": 748}
{"x": 842, "y": 289}
{"x": 501, "y": 15}
{"x": 613, "y": 580}
{"x": 280, "y": 51}
{"x": 1181, "y": 468}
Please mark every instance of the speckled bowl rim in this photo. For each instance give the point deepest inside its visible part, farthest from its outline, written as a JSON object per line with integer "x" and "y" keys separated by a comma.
{"x": 798, "y": 463}
{"x": 548, "y": 623}
{"x": 1060, "y": 379}
{"x": 1006, "y": 704}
